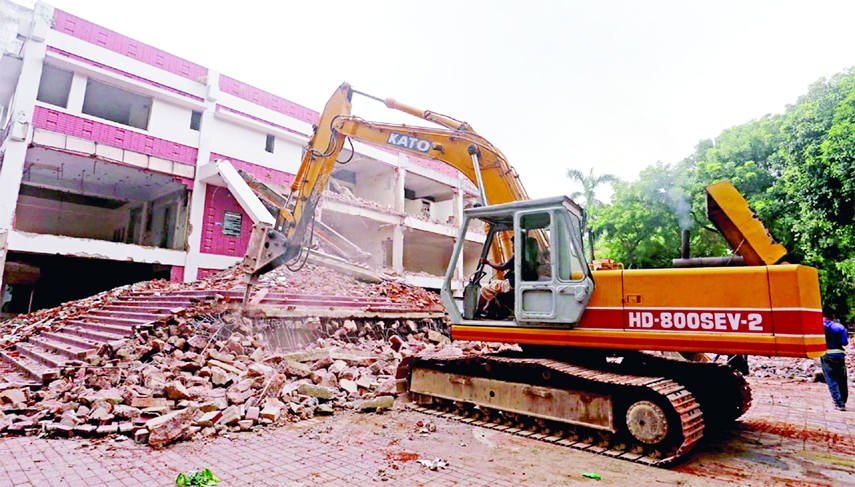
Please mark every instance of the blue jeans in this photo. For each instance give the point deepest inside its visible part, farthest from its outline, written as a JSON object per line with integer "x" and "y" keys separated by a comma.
{"x": 834, "y": 370}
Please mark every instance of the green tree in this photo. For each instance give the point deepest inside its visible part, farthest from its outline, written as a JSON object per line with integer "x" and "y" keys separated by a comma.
{"x": 817, "y": 176}
{"x": 588, "y": 195}
{"x": 641, "y": 226}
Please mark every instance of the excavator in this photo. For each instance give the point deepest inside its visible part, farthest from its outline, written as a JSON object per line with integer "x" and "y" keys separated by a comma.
{"x": 592, "y": 362}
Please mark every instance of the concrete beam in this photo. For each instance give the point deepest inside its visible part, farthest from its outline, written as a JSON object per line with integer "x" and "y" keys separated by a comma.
{"x": 245, "y": 196}
{"x": 339, "y": 207}
{"x": 89, "y": 248}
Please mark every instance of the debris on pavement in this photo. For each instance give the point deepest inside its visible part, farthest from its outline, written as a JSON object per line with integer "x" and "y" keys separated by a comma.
{"x": 434, "y": 464}
{"x": 208, "y": 369}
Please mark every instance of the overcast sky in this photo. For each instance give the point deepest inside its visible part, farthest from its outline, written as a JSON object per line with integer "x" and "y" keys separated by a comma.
{"x": 612, "y": 85}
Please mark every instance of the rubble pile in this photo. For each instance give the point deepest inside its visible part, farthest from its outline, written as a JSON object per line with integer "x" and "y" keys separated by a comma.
{"x": 208, "y": 370}
{"x": 319, "y": 280}
{"x": 803, "y": 369}
{"x": 311, "y": 279}
{"x": 197, "y": 377}
{"x": 352, "y": 199}
{"x": 22, "y": 327}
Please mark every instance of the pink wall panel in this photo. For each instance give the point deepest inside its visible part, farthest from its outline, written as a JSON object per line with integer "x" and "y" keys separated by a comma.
{"x": 65, "y": 123}
{"x": 218, "y": 200}
{"x": 267, "y": 100}
{"x": 122, "y": 73}
{"x": 264, "y": 174}
{"x": 176, "y": 274}
{"x": 126, "y": 46}
{"x": 95, "y": 34}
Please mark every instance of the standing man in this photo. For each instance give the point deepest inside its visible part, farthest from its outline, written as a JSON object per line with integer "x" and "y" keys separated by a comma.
{"x": 834, "y": 361}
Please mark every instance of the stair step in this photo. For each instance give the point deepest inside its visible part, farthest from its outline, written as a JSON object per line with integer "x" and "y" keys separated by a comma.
{"x": 165, "y": 304}
{"x": 149, "y": 309}
{"x": 107, "y": 320}
{"x": 17, "y": 380}
{"x": 133, "y": 315}
{"x": 159, "y": 299}
{"x": 190, "y": 293}
{"x": 92, "y": 334}
{"x": 69, "y": 350}
{"x": 46, "y": 357}
{"x": 122, "y": 330}
{"x": 30, "y": 368}
{"x": 74, "y": 340}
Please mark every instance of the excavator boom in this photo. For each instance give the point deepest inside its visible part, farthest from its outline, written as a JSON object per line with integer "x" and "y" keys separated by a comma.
{"x": 454, "y": 143}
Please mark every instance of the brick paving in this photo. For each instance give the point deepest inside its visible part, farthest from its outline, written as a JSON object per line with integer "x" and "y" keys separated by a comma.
{"x": 283, "y": 457}
{"x": 791, "y": 432}
{"x": 800, "y": 412}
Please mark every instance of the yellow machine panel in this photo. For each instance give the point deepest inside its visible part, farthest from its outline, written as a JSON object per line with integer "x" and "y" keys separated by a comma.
{"x": 730, "y": 213}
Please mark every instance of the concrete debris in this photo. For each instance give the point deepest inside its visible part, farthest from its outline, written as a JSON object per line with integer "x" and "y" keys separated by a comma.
{"x": 378, "y": 403}
{"x": 205, "y": 369}
{"x": 434, "y": 464}
{"x": 170, "y": 427}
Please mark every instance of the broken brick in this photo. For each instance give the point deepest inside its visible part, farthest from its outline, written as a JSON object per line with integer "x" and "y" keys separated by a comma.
{"x": 210, "y": 418}
{"x": 270, "y": 412}
{"x": 169, "y": 427}
{"x": 230, "y": 416}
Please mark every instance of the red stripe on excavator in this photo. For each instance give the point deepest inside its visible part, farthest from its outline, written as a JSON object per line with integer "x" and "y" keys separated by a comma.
{"x": 740, "y": 320}
{"x": 797, "y": 321}
{"x": 728, "y": 343}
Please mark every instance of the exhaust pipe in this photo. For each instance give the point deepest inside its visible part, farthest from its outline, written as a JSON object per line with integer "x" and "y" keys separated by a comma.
{"x": 685, "y": 251}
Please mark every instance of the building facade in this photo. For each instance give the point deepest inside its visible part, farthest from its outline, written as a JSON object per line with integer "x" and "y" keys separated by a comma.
{"x": 103, "y": 139}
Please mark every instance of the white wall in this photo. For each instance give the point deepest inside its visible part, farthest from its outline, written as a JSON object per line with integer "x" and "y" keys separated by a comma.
{"x": 380, "y": 189}
{"x": 37, "y": 215}
{"x": 414, "y": 207}
{"x": 426, "y": 255}
{"x": 172, "y": 122}
{"x": 243, "y": 143}
{"x": 441, "y": 210}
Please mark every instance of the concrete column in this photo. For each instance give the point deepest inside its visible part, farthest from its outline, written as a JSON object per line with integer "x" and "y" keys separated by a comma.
{"x": 77, "y": 93}
{"x": 400, "y": 180}
{"x": 398, "y": 249}
{"x": 21, "y": 133}
{"x": 195, "y": 258}
{"x": 398, "y": 205}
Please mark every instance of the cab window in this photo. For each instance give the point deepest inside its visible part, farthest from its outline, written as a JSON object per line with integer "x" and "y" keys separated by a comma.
{"x": 571, "y": 264}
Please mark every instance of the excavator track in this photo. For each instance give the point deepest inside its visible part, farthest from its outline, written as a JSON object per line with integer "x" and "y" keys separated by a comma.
{"x": 652, "y": 420}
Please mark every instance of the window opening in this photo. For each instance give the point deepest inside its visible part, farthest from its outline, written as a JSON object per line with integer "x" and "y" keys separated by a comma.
{"x": 54, "y": 86}
{"x": 195, "y": 120}
{"x": 117, "y": 105}
{"x": 271, "y": 141}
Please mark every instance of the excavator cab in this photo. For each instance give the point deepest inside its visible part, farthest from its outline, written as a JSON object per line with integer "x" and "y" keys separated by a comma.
{"x": 552, "y": 282}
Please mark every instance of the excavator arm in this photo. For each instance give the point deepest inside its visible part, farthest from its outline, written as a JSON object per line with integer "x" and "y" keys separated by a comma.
{"x": 454, "y": 143}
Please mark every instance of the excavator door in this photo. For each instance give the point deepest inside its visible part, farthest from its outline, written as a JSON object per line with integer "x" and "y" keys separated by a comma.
{"x": 552, "y": 280}
{"x": 554, "y": 283}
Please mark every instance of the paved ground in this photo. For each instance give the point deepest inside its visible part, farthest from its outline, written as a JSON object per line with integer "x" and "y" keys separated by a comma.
{"x": 792, "y": 436}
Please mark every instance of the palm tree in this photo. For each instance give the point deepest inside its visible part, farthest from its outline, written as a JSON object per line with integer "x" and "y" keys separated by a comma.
{"x": 589, "y": 197}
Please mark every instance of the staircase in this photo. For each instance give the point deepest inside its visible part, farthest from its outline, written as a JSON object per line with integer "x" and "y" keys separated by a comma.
{"x": 40, "y": 359}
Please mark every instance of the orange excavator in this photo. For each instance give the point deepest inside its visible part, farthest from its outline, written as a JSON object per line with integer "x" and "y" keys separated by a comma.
{"x": 591, "y": 370}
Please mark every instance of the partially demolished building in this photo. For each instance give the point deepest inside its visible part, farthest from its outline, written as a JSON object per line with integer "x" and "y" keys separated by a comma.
{"x": 105, "y": 144}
